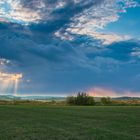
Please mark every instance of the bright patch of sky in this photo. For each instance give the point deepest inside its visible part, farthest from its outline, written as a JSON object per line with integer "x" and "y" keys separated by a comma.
{"x": 128, "y": 24}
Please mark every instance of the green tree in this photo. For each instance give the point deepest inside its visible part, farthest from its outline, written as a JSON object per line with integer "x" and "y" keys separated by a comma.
{"x": 81, "y": 99}
{"x": 71, "y": 100}
{"x": 106, "y": 100}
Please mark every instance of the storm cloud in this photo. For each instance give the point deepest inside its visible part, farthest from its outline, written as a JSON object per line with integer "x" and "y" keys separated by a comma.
{"x": 57, "y": 46}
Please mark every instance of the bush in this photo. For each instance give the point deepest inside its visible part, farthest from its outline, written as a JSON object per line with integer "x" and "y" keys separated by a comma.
{"x": 71, "y": 100}
{"x": 106, "y": 100}
{"x": 80, "y": 99}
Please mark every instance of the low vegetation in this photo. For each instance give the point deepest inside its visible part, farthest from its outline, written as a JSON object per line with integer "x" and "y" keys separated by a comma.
{"x": 24, "y": 122}
{"x": 106, "y": 100}
{"x": 79, "y": 117}
{"x": 80, "y": 99}
{"x": 85, "y": 99}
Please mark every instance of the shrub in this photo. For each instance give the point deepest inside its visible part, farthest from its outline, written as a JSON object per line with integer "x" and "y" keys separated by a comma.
{"x": 80, "y": 99}
{"x": 106, "y": 100}
{"x": 71, "y": 100}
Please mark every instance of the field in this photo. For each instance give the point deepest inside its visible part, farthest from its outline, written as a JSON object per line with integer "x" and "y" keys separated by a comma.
{"x": 23, "y": 122}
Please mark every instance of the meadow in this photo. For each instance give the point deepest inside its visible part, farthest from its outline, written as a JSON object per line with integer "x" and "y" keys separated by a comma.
{"x": 44, "y": 122}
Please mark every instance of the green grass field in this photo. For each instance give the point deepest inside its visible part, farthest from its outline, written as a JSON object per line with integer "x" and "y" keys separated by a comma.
{"x": 22, "y": 122}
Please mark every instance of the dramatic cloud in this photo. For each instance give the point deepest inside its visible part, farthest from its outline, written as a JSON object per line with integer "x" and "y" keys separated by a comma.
{"x": 60, "y": 48}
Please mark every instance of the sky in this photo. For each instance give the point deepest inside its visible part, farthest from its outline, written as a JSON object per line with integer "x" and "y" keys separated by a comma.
{"x": 61, "y": 47}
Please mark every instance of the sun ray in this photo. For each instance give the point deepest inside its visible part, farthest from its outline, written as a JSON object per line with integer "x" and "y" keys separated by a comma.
{"x": 10, "y": 82}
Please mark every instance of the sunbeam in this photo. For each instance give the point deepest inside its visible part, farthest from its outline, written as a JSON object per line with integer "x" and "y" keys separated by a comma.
{"x": 10, "y": 82}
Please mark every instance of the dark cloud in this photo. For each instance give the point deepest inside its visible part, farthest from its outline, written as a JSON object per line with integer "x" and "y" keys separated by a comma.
{"x": 75, "y": 65}
{"x": 59, "y": 18}
{"x": 56, "y": 65}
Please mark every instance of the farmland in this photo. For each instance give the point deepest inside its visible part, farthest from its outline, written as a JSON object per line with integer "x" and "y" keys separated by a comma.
{"x": 40, "y": 122}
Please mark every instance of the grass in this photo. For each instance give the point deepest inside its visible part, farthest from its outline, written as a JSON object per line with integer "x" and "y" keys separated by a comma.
{"x": 22, "y": 122}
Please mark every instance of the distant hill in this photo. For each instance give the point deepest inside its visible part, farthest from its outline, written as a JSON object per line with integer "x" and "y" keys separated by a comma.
{"x": 42, "y": 98}
{"x": 11, "y": 97}
{"x": 126, "y": 98}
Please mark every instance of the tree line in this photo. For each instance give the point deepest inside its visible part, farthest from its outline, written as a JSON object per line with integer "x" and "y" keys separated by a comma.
{"x": 83, "y": 98}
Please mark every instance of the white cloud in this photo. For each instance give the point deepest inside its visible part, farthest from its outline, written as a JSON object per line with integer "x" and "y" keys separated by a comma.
{"x": 101, "y": 14}
{"x": 98, "y": 16}
{"x": 4, "y": 61}
{"x": 17, "y": 11}
{"x": 13, "y": 10}
{"x": 86, "y": 22}
{"x": 136, "y": 52}
{"x": 104, "y": 37}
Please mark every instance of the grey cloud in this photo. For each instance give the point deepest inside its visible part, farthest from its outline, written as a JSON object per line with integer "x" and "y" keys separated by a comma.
{"x": 63, "y": 65}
